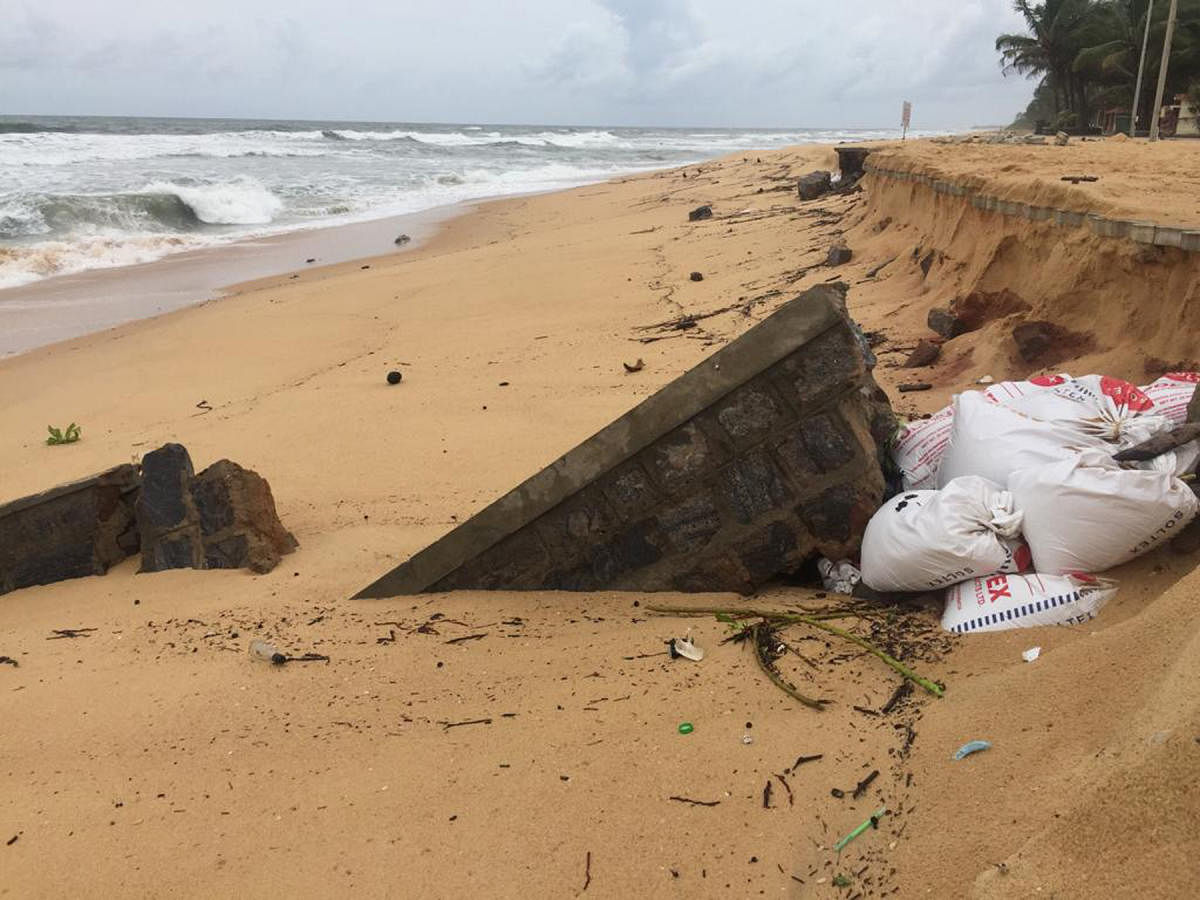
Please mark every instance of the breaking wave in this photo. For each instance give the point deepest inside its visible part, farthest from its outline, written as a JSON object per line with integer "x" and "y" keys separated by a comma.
{"x": 160, "y": 206}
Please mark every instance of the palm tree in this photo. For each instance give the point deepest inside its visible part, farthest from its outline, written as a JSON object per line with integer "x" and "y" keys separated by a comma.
{"x": 1056, "y": 33}
{"x": 1113, "y": 41}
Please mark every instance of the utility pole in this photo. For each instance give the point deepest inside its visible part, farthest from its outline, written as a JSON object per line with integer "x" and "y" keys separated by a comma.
{"x": 1137, "y": 91}
{"x": 1162, "y": 70}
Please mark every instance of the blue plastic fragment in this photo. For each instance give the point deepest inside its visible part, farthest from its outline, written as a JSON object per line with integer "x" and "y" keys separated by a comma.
{"x": 972, "y": 747}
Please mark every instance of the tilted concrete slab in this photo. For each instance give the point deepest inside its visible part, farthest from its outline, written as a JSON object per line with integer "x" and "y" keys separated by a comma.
{"x": 70, "y": 531}
{"x": 741, "y": 469}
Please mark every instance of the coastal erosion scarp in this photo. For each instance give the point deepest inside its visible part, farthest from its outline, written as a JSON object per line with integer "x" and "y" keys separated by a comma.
{"x": 1110, "y": 283}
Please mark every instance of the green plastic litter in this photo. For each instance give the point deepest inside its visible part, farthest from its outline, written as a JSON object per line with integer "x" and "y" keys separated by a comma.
{"x": 685, "y": 728}
{"x": 878, "y": 814}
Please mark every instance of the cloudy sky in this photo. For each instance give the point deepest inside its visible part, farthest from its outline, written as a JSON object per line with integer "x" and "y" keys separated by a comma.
{"x": 786, "y": 63}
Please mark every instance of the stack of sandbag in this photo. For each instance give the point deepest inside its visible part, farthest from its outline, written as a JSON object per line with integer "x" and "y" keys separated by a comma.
{"x": 1040, "y": 452}
{"x": 1097, "y": 411}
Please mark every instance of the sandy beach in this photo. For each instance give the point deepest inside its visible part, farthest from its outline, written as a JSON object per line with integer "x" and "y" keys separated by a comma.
{"x": 156, "y": 758}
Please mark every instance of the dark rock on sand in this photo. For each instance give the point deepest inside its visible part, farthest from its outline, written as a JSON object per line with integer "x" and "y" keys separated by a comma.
{"x": 394, "y": 377}
{"x": 1033, "y": 339}
{"x": 700, "y": 212}
{"x": 941, "y": 321}
{"x": 813, "y": 185}
{"x": 403, "y": 239}
{"x": 839, "y": 255}
{"x": 237, "y": 519}
{"x": 223, "y": 518}
{"x": 168, "y": 525}
{"x": 925, "y": 354}
{"x": 696, "y": 276}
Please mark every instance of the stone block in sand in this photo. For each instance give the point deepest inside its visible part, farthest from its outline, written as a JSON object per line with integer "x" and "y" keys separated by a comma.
{"x": 743, "y": 468}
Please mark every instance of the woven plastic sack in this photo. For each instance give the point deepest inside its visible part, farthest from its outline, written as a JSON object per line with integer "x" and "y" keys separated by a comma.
{"x": 922, "y": 540}
{"x": 1088, "y": 514}
{"x": 993, "y": 441}
{"x": 1000, "y": 602}
{"x": 1172, "y": 393}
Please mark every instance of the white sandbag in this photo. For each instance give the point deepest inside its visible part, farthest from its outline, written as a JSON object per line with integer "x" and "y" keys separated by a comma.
{"x": 1000, "y": 602}
{"x": 1172, "y": 393}
{"x": 1116, "y": 411}
{"x": 918, "y": 448}
{"x": 1008, "y": 391}
{"x": 992, "y": 441}
{"x": 1113, "y": 410}
{"x": 1087, "y": 514}
{"x": 929, "y": 539}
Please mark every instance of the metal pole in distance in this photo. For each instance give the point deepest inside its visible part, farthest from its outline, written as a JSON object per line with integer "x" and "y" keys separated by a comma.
{"x": 1137, "y": 91}
{"x": 1162, "y": 70}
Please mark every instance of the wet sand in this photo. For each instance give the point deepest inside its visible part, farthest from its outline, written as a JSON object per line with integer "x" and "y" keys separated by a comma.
{"x": 69, "y": 306}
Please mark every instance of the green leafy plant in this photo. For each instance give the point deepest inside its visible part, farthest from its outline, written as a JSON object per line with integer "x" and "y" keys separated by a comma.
{"x": 68, "y": 435}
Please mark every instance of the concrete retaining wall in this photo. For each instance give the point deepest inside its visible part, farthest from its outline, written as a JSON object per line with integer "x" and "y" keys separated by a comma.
{"x": 741, "y": 469}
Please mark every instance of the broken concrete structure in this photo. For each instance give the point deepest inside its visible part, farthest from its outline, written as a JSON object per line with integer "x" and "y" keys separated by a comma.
{"x": 239, "y": 527}
{"x": 223, "y": 518}
{"x": 850, "y": 161}
{"x": 761, "y": 457}
{"x": 71, "y": 531}
{"x": 814, "y": 185}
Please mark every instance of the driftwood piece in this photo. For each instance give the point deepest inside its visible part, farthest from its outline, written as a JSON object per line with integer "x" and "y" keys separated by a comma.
{"x": 1160, "y": 443}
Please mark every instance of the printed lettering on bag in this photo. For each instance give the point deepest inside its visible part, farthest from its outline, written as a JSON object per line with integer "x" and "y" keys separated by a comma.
{"x": 1125, "y": 394}
{"x": 951, "y": 577}
{"x": 997, "y": 588}
{"x": 1162, "y": 531}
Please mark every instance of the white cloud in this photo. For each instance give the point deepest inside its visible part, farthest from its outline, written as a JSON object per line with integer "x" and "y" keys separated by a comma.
{"x": 698, "y": 62}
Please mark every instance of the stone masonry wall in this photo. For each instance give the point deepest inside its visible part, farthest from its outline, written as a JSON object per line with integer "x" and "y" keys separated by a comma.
{"x": 783, "y": 466}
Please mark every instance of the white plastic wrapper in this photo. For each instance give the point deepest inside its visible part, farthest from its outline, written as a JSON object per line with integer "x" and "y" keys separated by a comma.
{"x": 1000, "y": 602}
{"x": 1172, "y": 393}
{"x": 839, "y": 577}
{"x": 1087, "y": 514}
{"x": 993, "y": 441}
{"x": 923, "y": 540}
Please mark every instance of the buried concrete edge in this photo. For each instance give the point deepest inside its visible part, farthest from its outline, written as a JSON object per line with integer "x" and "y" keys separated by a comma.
{"x": 795, "y": 324}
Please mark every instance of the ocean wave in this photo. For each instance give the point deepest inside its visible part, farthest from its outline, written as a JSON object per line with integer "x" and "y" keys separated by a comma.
{"x": 25, "y": 265}
{"x": 479, "y": 138}
{"x": 241, "y": 202}
{"x": 159, "y": 207}
{"x": 34, "y": 128}
{"x": 58, "y": 148}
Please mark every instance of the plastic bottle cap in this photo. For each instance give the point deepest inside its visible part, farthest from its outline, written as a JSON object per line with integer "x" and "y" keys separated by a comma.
{"x": 685, "y": 728}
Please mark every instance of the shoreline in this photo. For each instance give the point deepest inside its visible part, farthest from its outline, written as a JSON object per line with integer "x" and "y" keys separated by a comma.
{"x": 31, "y": 315}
